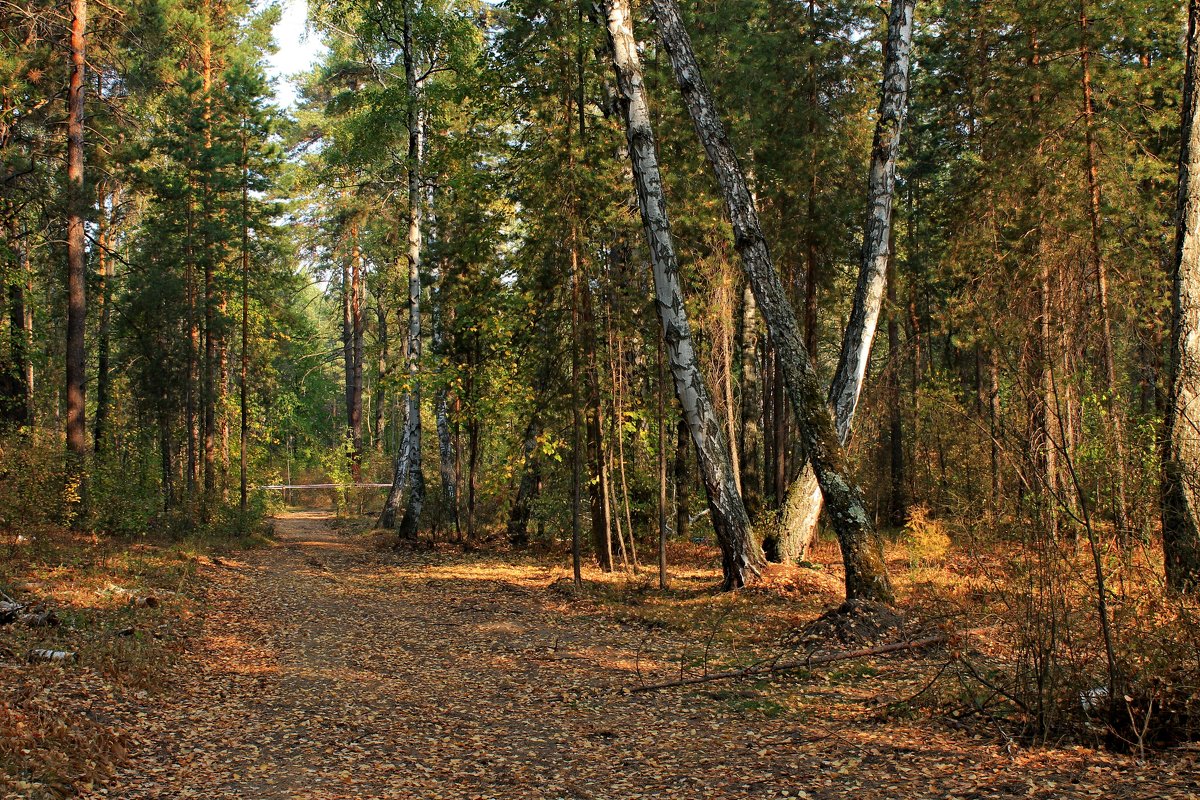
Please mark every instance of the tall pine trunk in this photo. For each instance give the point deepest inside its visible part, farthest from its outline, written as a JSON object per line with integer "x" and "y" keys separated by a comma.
{"x": 741, "y": 555}
{"x": 862, "y": 551}
{"x": 1181, "y": 451}
{"x": 76, "y": 278}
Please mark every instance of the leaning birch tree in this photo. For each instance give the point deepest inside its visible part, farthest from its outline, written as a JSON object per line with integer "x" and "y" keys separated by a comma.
{"x": 1181, "y": 450}
{"x": 862, "y": 551}
{"x": 802, "y": 508}
{"x": 741, "y": 555}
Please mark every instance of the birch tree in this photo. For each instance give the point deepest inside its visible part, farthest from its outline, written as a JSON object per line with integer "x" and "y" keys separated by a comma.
{"x": 409, "y": 476}
{"x": 862, "y": 552}
{"x": 1181, "y": 451}
{"x": 741, "y": 555}
{"x": 802, "y": 509}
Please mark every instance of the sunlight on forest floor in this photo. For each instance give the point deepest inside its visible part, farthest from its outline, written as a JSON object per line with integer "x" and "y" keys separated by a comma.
{"x": 342, "y": 667}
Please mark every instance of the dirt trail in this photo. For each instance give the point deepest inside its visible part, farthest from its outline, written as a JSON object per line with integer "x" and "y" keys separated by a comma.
{"x": 326, "y": 670}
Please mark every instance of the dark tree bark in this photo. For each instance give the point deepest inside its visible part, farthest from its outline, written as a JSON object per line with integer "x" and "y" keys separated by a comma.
{"x": 1181, "y": 450}
{"x": 244, "y": 397}
{"x": 352, "y": 346}
{"x": 742, "y": 557}
{"x": 381, "y": 328}
{"x": 862, "y": 551}
{"x": 16, "y": 404}
{"x": 108, "y": 210}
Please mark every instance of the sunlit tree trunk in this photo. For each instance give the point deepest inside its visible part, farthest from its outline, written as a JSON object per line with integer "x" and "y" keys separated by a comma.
{"x": 76, "y": 257}
{"x": 862, "y": 552}
{"x": 751, "y": 431}
{"x": 802, "y": 510}
{"x": 1181, "y": 451}
{"x": 741, "y": 555}
{"x": 409, "y": 475}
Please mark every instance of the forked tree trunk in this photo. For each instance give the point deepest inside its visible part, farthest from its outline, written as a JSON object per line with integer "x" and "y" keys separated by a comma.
{"x": 741, "y": 555}
{"x": 1181, "y": 451}
{"x": 76, "y": 278}
{"x": 802, "y": 511}
{"x": 862, "y": 551}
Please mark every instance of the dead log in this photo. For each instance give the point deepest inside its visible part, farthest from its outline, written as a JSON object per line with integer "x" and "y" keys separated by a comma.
{"x": 60, "y": 656}
{"x": 801, "y": 663}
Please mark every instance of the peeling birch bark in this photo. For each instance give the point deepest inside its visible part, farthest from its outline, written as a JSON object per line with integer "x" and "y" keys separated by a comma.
{"x": 741, "y": 555}
{"x": 862, "y": 552}
{"x": 1181, "y": 453}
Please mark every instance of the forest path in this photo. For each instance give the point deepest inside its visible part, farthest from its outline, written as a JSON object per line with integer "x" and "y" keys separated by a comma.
{"x": 328, "y": 670}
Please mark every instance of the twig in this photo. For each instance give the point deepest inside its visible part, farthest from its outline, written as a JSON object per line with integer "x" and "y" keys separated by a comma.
{"x": 784, "y": 666}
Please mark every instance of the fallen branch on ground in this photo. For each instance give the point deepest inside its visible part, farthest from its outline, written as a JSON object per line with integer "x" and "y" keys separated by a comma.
{"x": 803, "y": 663}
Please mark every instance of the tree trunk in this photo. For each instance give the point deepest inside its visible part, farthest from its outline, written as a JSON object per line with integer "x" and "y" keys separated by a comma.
{"x": 1181, "y": 451}
{"x": 381, "y": 328}
{"x": 409, "y": 474}
{"x": 76, "y": 257}
{"x": 683, "y": 512}
{"x": 751, "y": 432}
{"x": 193, "y": 353}
{"x": 862, "y": 551}
{"x": 244, "y": 397}
{"x": 598, "y": 486}
{"x": 518, "y": 516}
{"x": 352, "y": 344}
{"x": 898, "y": 494}
{"x": 108, "y": 213}
{"x": 662, "y": 471}
{"x": 803, "y": 508}
{"x": 208, "y": 392}
{"x": 18, "y": 384}
{"x": 741, "y": 555}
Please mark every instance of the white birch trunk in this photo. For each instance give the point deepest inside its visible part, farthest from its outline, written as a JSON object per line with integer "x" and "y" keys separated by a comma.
{"x": 409, "y": 475}
{"x": 862, "y": 554}
{"x": 741, "y": 555}
{"x": 802, "y": 509}
{"x": 1181, "y": 455}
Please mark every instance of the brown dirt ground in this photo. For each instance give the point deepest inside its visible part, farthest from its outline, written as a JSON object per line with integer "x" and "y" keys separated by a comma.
{"x": 327, "y": 669}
